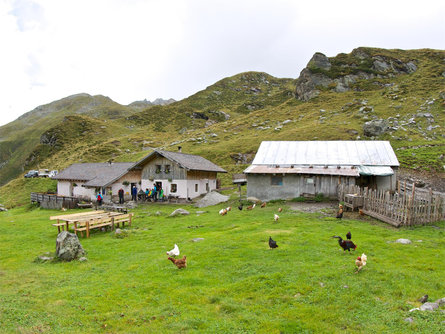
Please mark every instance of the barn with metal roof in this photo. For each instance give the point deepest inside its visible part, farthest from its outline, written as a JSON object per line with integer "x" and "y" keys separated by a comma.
{"x": 289, "y": 169}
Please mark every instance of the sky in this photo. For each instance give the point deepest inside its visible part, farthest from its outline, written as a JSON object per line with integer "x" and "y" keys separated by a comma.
{"x": 130, "y": 50}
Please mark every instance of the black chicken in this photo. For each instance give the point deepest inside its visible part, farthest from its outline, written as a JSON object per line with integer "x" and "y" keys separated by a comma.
{"x": 272, "y": 243}
{"x": 346, "y": 244}
{"x": 240, "y": 207}
{"x": 348, "y": 235}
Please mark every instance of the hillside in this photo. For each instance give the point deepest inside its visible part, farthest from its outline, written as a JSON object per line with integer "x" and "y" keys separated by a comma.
{"x": 395, "y": 95}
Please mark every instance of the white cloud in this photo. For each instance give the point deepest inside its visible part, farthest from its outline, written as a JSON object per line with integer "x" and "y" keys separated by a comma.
{"x": 136, "y": 49}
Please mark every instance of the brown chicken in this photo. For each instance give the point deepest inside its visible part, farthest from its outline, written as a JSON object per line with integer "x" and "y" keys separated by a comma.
{"x": 280, "y": 209}
{"x": 180, "y": 263}
{"x": 250, "y": 207}
{"x": 340, "y": 212}
{"x": 263, "y": 205}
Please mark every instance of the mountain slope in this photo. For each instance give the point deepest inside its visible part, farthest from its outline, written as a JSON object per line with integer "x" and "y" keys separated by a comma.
{"x": 393, "y": 95}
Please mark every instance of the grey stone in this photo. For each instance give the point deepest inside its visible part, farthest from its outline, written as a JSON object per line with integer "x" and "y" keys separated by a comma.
{"x": 403, "y": 241}
{"x": 287, "y": 121}
{"x": 375, "y": 127}
{"x": 45, "y": 258}
{"x": 179, "y": 212}
{"x": 410, "y": 320}
{"x": 440, "y": 301}
{"x": 83, "y": 259}
{"x": 414, "y": 309}
{"x": 198, "y": 239}
{"x": 68, "y": 246}
{"x": 118, "y": 231}
{"x": 429, "y": 306}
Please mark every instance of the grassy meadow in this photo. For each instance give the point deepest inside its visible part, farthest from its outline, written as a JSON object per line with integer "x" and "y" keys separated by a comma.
{"x": 233, "y": 283}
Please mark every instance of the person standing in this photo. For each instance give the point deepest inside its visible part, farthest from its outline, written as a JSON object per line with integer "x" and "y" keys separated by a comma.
{"x": 99, "y": 199}
{"x": 155, "y": 193}
{"x": 121, "y": 196}
{"x": 134, "y": 194}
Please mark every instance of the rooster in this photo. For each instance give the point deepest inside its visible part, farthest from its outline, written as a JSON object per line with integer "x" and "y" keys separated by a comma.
{"x": 263, "y": 205}
{"x": 348, "y": 235}
{"x": 280, "y": 209}
{"x": 174, "y": 252}
{"x": 276, "y": 217}
{"x": 360, "y": 212}
{"x": 340, "y": 212}
{"x": 272, "y": 243}
{"x": 223, "y": 212}
{"x": 180, "y": 263}
{"x": 229, "y": 208}
{"x": 360, "y": 262}
{"x": 240, "y": 207}
{"x": 345, "y": 244}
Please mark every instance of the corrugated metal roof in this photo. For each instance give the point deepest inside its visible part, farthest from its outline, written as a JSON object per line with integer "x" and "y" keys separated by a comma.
{"x": 343, "y": 171}
{"x": 375, "y": 170}
{"x": 96, "y": 174}
{"x": 187, "y": 161}
{"x": 332, "y": 153}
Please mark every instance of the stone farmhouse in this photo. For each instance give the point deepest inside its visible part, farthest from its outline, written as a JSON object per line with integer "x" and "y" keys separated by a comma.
{"x": 180, "y": 175}
{"x": 290, "y": 169}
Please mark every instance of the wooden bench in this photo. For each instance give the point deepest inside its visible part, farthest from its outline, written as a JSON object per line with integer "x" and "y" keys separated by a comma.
{"x": 112, "y": 221}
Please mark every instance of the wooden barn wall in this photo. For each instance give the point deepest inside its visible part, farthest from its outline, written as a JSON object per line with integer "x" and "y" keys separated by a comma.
{"x": 294, "y": 186}
{"x": 199, "y": 175}
{"x": 176, "y": 173}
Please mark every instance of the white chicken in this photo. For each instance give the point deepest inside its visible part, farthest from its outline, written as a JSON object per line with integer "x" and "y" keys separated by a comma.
{"x": 223, "y": 212}
{"x": 360, "y": 262}
{"x": 276, "y": 217}
{"x": 174, "y": 251}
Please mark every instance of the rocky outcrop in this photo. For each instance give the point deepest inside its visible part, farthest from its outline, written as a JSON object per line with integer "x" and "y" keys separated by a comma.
{"x": 323, "y": 74}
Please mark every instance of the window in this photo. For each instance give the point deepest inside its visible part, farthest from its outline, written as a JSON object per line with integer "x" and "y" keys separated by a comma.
{"x": 173, "y": 188}
{"x": 207, "y": 187}
{"x": 167, "y": 169}
{"x": 276, "y": 180}
{"x": 158, "y": 169}
{"x": 309, "y": 180}
{"x": 196, "y": 188}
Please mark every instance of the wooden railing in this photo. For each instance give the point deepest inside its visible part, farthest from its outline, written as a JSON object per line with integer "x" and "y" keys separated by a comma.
{"x": 53, "y": 201}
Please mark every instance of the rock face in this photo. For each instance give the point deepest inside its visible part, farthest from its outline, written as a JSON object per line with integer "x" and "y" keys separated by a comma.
{"x": 322, "y": 73}
{"x": 68, "y": 247}
{"x": 375, "y": 128}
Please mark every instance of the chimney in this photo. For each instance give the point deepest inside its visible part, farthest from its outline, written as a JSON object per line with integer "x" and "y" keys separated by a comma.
{"x": 179, "y": 149}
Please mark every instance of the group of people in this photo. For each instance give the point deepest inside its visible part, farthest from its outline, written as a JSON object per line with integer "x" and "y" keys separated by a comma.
{"x": 154, "y": 194}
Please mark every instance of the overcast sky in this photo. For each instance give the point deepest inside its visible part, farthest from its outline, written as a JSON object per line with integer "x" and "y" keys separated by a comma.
{"x": 132, "y": 50}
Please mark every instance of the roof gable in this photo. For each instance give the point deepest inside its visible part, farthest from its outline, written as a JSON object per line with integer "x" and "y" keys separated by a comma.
{"x": 187, "y": 161}
{"x": 332, "y": 153}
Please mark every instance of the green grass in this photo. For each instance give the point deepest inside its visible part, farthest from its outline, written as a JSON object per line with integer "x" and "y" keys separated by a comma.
{"x": 233, "y": 283}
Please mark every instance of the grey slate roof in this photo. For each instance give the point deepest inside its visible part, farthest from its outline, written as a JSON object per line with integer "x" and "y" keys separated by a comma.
{"x": 96, "y": 174}
{"x": 187, "y": 161}
{"x": 331, "y": 153}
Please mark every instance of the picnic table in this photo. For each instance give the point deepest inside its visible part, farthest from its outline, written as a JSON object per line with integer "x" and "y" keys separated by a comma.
{"x": 87, "y": 221}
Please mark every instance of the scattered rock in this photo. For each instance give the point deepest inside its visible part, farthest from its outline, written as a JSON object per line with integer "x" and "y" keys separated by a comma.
{"x": 83, "y": 259}
{"x": 68, "y": 246}
{"x": 410, "y": 320}
{"x": 429, "y": 306}
{"x": 322, "y": 284}
{"x": 440, "y": 301}
{"x": 403, "y": 241}
{"x": 414, "y": 309}
{"x": 118, "y": 231}
{"x": 2, "y": 208}
{"x": 45, "y": 258}
{"x": 179, "y": 212}
{"x": 197, "y": 239}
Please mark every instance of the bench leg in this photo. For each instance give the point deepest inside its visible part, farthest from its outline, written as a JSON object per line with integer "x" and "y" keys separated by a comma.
{"x": 88, "y": 229}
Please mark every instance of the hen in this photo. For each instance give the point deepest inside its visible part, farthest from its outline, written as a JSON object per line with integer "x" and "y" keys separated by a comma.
{"x": 240, "y": 207}
{"x": 250, "y": 207}
{"x": 360, "y": 262}
{"x": 276, "y": 217}
{"x": 223, "y": 212}
{"x": 280, "y": 209}
{"x": 345, "y": 244}
{"x": 272, "y": 243}
{"x": 263, "y": 205}
{"x": 174, "y": 251}
{"x": 340, "y": 212}
{"x": 180, "y": 263}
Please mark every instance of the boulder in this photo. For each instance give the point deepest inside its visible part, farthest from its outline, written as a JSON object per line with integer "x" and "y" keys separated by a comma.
{"x": 429, "y": 306}
{"x": 375, "y": 127}
{"x": 68, "y": 246}
{"x": 319, "y": 60}
{"x": 179, "y": 212}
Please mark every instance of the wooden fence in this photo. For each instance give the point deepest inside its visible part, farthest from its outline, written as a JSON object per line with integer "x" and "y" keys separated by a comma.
{"x": 53, "y": 201}
{"x": 405, "y": 208}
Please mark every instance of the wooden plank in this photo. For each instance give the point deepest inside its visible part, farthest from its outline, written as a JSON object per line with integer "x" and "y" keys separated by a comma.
{"x": 76, "y": 214}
